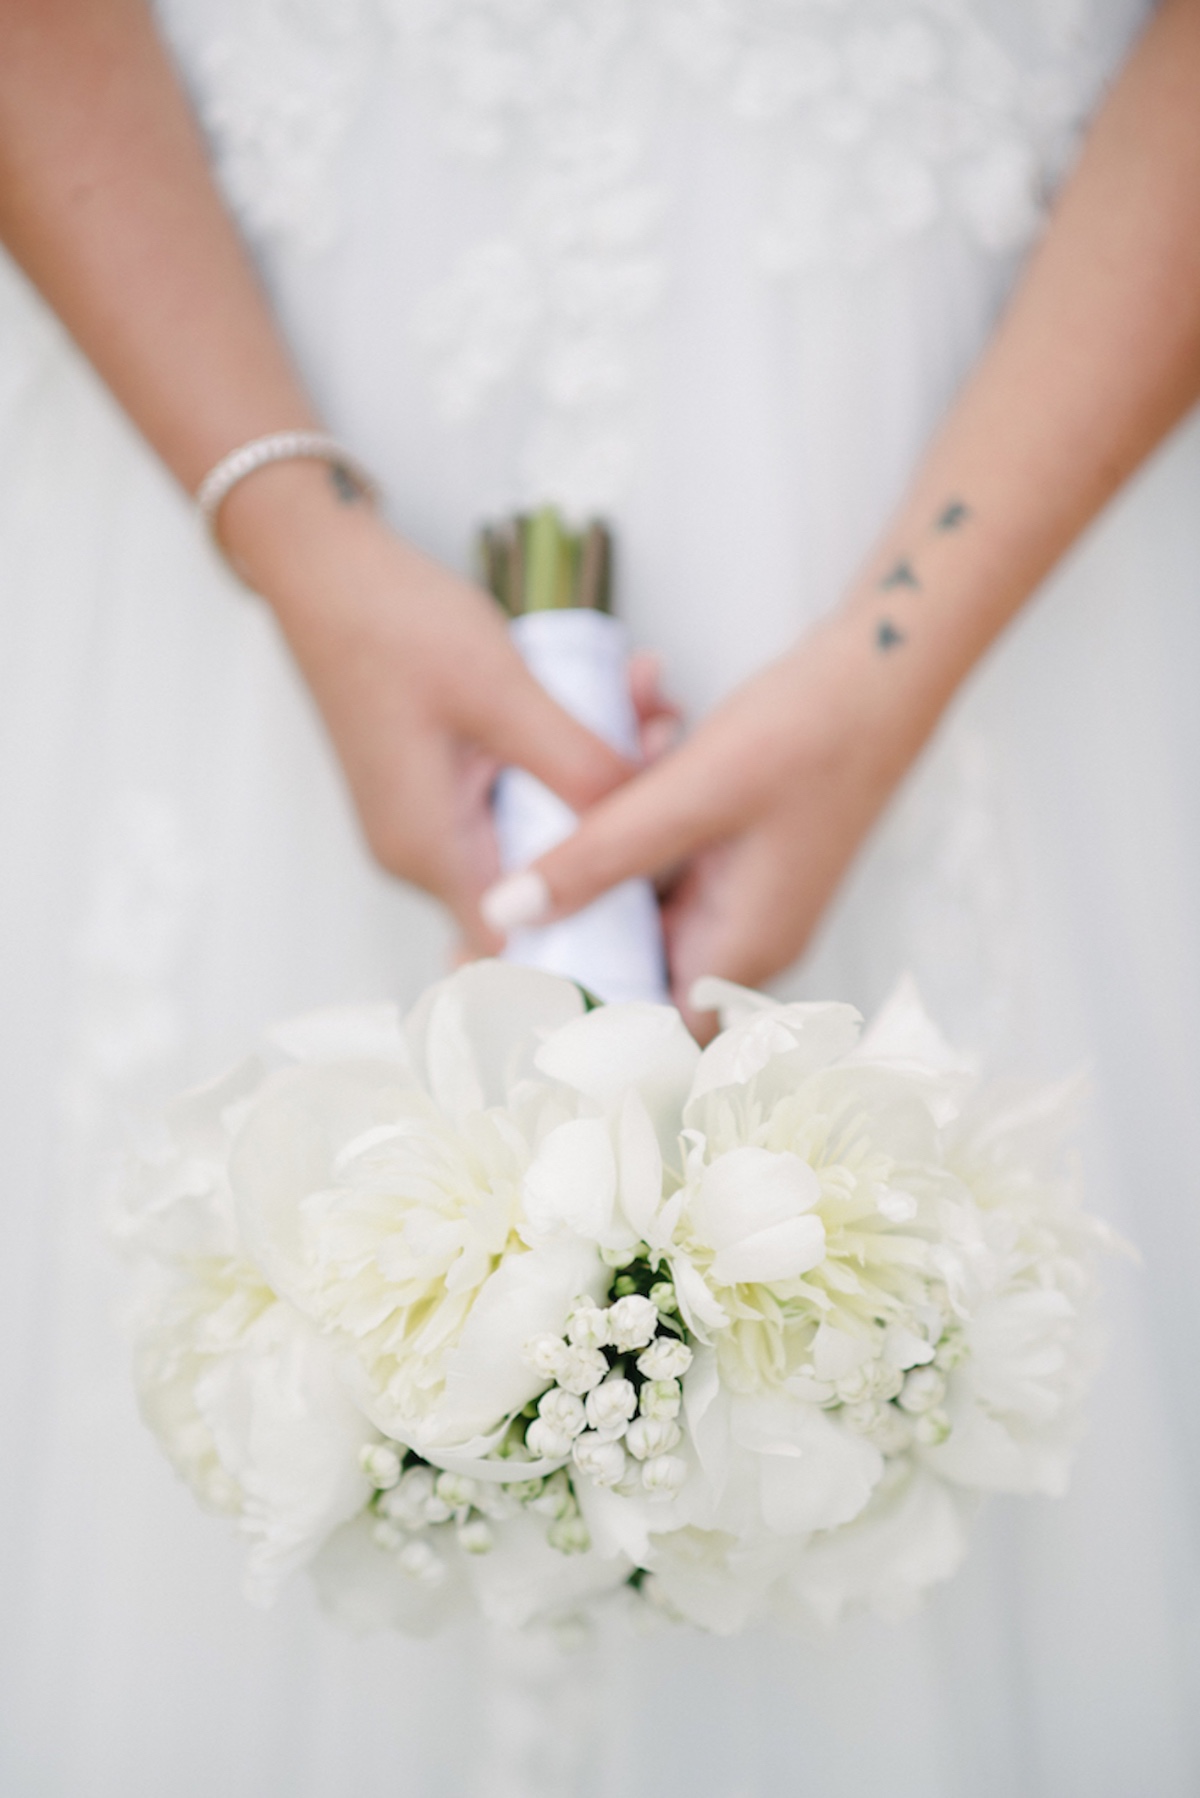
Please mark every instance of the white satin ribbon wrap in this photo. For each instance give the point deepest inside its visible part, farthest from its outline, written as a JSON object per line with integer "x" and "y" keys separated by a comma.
{"x": 614, "y": 946}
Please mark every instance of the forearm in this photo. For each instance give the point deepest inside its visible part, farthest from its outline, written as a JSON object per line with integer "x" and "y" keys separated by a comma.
{"x": 107, "y": 202}
{"x": 1096, "y": 359}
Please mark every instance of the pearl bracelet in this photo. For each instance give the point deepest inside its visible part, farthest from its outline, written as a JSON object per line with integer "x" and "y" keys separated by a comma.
{"x": 280, "y": 446}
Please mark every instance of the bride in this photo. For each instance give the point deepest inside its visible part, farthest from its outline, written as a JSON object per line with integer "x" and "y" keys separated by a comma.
{"x": 768, "y": 284}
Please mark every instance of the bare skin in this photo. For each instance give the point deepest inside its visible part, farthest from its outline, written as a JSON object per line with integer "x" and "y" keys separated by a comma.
{"x": 1097, "y": 358}
{"x": 107, "y": 201}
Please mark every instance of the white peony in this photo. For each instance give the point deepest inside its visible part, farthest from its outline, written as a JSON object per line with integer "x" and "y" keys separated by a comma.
{"x": 381, "y": 1195}
{"x": 240, "y": 1389}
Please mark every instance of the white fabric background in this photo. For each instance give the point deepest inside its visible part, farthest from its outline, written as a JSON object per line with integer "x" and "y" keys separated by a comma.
{"x": 180, "y": 864}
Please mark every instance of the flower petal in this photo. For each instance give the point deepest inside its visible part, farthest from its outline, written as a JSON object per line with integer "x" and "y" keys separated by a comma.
{"x": 781, "y": 1252}
{"x": 572, "y": 1182}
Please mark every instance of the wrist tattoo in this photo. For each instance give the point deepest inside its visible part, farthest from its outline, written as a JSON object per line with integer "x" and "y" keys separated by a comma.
{"x": 887, "y": 636}
{"x": 952, "y": 515}
{"x": 347, "y": 490}
{"x": 902, "y": 575}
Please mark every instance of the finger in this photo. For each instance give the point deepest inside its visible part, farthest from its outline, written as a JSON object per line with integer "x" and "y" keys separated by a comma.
{"x": 661, "y": 816}
{"x": 528, "y": 729}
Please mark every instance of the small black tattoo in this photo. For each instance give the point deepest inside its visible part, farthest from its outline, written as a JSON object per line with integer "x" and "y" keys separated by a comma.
{"x": 344, "y": 483}
{"x": 902, "y": 575}
{"x": 952, "y": 516}
{"x": 887, "y": 636}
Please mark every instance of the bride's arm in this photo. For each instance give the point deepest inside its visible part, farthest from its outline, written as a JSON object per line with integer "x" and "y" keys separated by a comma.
{"x": 107, "y": 202}
{"x": 1097, "y": 358}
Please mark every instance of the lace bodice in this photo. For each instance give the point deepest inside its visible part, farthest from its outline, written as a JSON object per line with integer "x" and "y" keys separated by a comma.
{"x": 871, "y": 122}
{"x": 885, "y": 114}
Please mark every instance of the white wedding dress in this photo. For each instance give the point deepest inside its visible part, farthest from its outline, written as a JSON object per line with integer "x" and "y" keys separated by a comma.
{"x": 715, "y": 267}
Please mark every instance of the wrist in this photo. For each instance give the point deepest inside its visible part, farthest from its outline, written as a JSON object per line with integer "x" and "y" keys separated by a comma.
{"x": 295, "y": 530}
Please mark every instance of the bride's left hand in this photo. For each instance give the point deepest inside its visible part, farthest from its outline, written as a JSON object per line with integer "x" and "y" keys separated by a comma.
{"x": 763, "y": 808}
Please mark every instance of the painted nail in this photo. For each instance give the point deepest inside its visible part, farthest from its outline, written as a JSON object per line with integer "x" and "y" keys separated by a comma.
{"x": 516, "y": 901}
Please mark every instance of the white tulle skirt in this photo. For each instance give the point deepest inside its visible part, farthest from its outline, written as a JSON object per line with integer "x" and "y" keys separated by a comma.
{"x": 180, "y": 863}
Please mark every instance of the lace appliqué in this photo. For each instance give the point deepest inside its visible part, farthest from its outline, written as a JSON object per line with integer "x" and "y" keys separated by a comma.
{"x": 885, "y": 120}
{"x": 277, "y": 84}
{"x": 881, "y": 122}
{"x": 556, "y": 297}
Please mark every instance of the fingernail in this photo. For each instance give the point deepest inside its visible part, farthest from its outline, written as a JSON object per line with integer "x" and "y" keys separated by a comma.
{"x": 517, "y": 900}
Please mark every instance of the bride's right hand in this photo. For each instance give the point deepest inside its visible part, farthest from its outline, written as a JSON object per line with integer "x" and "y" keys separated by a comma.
{"x": 417, "y": 679}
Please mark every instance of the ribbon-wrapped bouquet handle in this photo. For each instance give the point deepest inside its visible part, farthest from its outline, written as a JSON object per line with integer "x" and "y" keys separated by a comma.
{"x": 556, "y": 586}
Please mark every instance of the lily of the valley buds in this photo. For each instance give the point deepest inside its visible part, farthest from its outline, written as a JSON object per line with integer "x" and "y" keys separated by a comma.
{"x": 588, "y": 1326}
{"x": 562, "y": 1411}
{"x": 610, "y": 1406}
{"x": 569, "y": 1535}
{"x": 407, "y": 1502}
{"x": 663, "y": 1476}
{"x": 666, "y": 1358}
{"x": 579, "y": 1369}
{"x": 649, "y": 1436}
{"x": 545, "y": 1443}
{"x": 891, "y": 1433}
{"x": 543, "y": 1353}
{"x": 456, "y": 1490}
{"x": 422, "y": 1563}
{"x": 632, "y": 1322}
{"x": 381, "y": 1464}
{"x": 556, "y": 1498}
{"x": 601, "y": 1458}
{"x": 932, "y": 1428}
{"x": 475, "y": 1537}
{"x": 924, "y": 1388}
{"x": 661, "y": 1398}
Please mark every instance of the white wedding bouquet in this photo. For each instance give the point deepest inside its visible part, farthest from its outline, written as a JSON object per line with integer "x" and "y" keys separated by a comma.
{"x": 518, "y": 1303}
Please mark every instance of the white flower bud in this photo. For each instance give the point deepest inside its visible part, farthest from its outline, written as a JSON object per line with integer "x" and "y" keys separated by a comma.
{"x": 886, "y": 1380}
{"x": 924, "y": 1387}
{"x": 456, "y": 1490}
{"x": 423, "y": 1563}
{"x": 855, "y": 1386}
{"x": 406, "y": 1502}
{"x": 436, "y": 1510}
{"x": 663, "y": 1476}
{"x": 649, "y": 1436}
{"x": 381, "y": 1464}
{"x": 952, "y": 1351}
{"x": 497, "y": 1502}
{"x": 891, "y": 1433}
{"x": 525, "y": 1491}
{"x": 556, "y": 1498}
{"x": 569, "y": 1535}
{"x": 661, "y": 1398}
{"x": 475, "y": 1537}
{"x": 580, "y": 1369}
{"x": 588, "y": 1326}
{"x": 662, "y": 1294}
{"x": 600, "y": 1457}
{"x": 385, "y": 1534}
{"x": 563, "y": 1411}
{"x": 618, "y": 1257}
{"x": 932, "y": 1427}
{"x": 861, "y": 1418}
{"x": 666, "y": 1358}
{"x": 610, "y": 1406}
{"x": 543, "y": 1354}
{"x": 632, "y": 1322}
{"x": 545, "y": 1443}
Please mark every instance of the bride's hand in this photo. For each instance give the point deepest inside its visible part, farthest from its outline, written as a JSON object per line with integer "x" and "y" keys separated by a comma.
{"x": 420, "y": 687}
{"x": 764, "y": 807}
